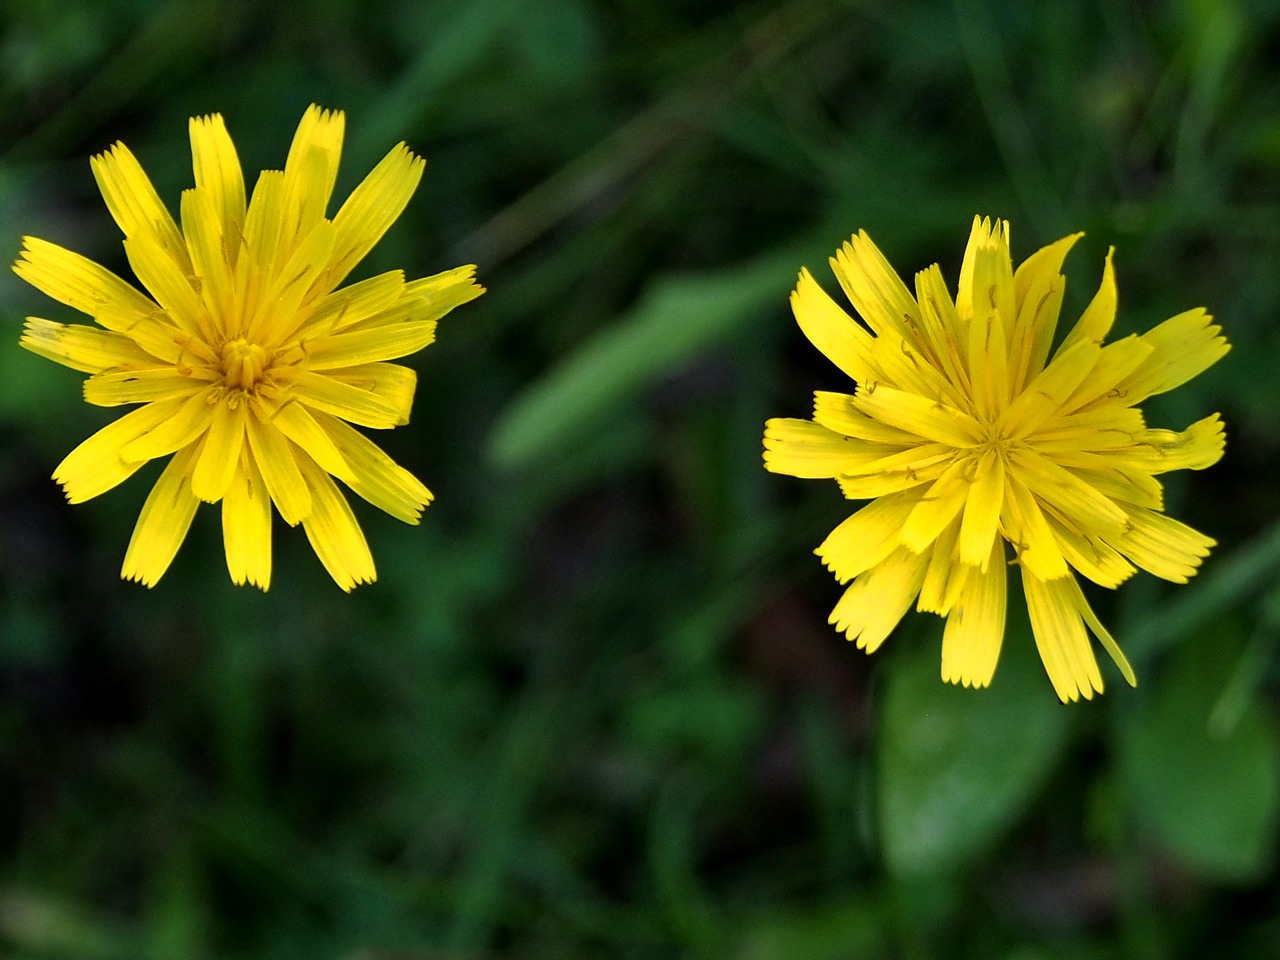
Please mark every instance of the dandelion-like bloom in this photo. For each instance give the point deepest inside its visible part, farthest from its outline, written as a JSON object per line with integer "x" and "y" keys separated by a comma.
{"x": 250, "y": 366}
{"x": 966, "y": 436}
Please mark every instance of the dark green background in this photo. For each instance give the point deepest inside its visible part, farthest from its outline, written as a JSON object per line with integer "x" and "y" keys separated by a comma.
{"x": 592, "y": 707}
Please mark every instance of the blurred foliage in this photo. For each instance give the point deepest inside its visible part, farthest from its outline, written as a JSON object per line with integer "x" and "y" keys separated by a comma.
{"x": 592, "y": 707}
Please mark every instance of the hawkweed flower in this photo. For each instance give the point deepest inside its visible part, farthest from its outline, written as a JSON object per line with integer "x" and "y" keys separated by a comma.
{"x": 249, "y": 364}
{"x": 978, "y": 448}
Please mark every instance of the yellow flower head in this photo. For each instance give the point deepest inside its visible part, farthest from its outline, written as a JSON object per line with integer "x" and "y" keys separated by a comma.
{"x": 247, "y": 361}
{"x": 966, "y": 435}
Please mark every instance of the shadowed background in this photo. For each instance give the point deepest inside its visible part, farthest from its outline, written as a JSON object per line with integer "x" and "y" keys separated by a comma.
{"x": 592, "y": 707}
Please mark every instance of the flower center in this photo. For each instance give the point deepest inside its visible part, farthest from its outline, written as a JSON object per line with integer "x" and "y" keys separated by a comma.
{"x": 243, "y": 364}
{"x": 994, "y": 439}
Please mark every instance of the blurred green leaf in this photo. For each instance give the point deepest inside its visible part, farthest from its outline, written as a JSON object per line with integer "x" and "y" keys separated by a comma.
{"x": 1216, "y": 30}
{"x": 177, "y": 916}
{"x": 560, "y": 42}
{"x": 1210, "y": 798}
{"x": 450, "y": 40}
{"x": 717, "y": 721}
{"x": 833, "y": 931}
{"x": 674, "y": 846}
{"x": 48, "y": 926}
{"x": 957, "y": 766}
{"x": 678, "y": 316}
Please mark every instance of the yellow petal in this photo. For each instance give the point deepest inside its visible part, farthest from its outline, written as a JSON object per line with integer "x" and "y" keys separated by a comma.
{"x": 263, "y": 224}
{"x": 936, "y": 508}
{"x": 1117, "y": 361}
{"x": 136, "y": 206}
{"x": 908, "y": 365}
{"x": 278, "y": 312}
{"x": 333, "y": 532}
{"x": 1096, "y": 321}
{"x": 166, "y": 342}
{"x": 1061, "y": 638}
{"x": 839, "y": 412}
{"x": 1161, "y": 545}
{"x": 170, "y": 286}
{"x": 330, "y": 395}
{"x": 114, "y": 387}
{"x": 353, "y": 304}
{"x": 441, "y": 292}
{"x": 988, "y": 360}
{"x": 372, "y": 207}
{"x": 880, "y": 484}
{"x": 80, "y": 283}
{"x": 801, "y": 448}
{"x": 874, "y": 288}
{"x": 1104, "y": 427}
{"x": 311, "y": 169}
{"x": 918, "y": 415}
{"x": 202, "y": 225}
{"x": 1048, "y": 391}
{"x": 374, "y": 475}
{"x": 993, "y": 289}
{"x": 274, "y": 456}
{"x": 386, "y": 300}
{"x": 1026, "y": 528}
{"x": 901, "y": 467}
{"x": 1090, "y": 554}
{"x": 296, "y": 423}
{"x": 866, "y": 537}
{"x": 944, "y": 578}
{"x": 217, "y": 464}
{"x": 368, "y": 346}
{"x": 836, "y": 334}
{"x": 1183, "y": 347}
{"x": 96, "y": 466}
{"x": 81, "y": 347}
{"x": 942, "y": 328}
{"x": 874, "y": 603}
{"x": 1201, "y": 445}
{"x": 218, "y": 174}
{"x": 1116, "y": 480}
{"x": 163, "y": 523}
{"x": 391, "y": 382}
{"x": 1086, "y": 506}
{"x": 1099, "y": 631}
{"x": 983, "y": 504}
{"x": 1038, "y": 272}
{"x": 246, "y": 526}
{"x": 984, "y": 234}
{"x": 979, "y": 233}
{"x": 1038, "y": 310}
{"x": 187, "y": 423}
{"x": 975, "y": 626}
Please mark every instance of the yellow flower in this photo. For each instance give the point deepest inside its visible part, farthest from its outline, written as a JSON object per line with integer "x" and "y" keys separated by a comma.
{"x": 248, "y": 362}
{"x": 964, "y": 438}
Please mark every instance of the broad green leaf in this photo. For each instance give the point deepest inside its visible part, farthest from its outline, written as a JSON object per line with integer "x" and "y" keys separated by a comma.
{"x": 677, "y": 317}
{"x": 958, "y": 767}
{"x": 1208, "y": 794}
